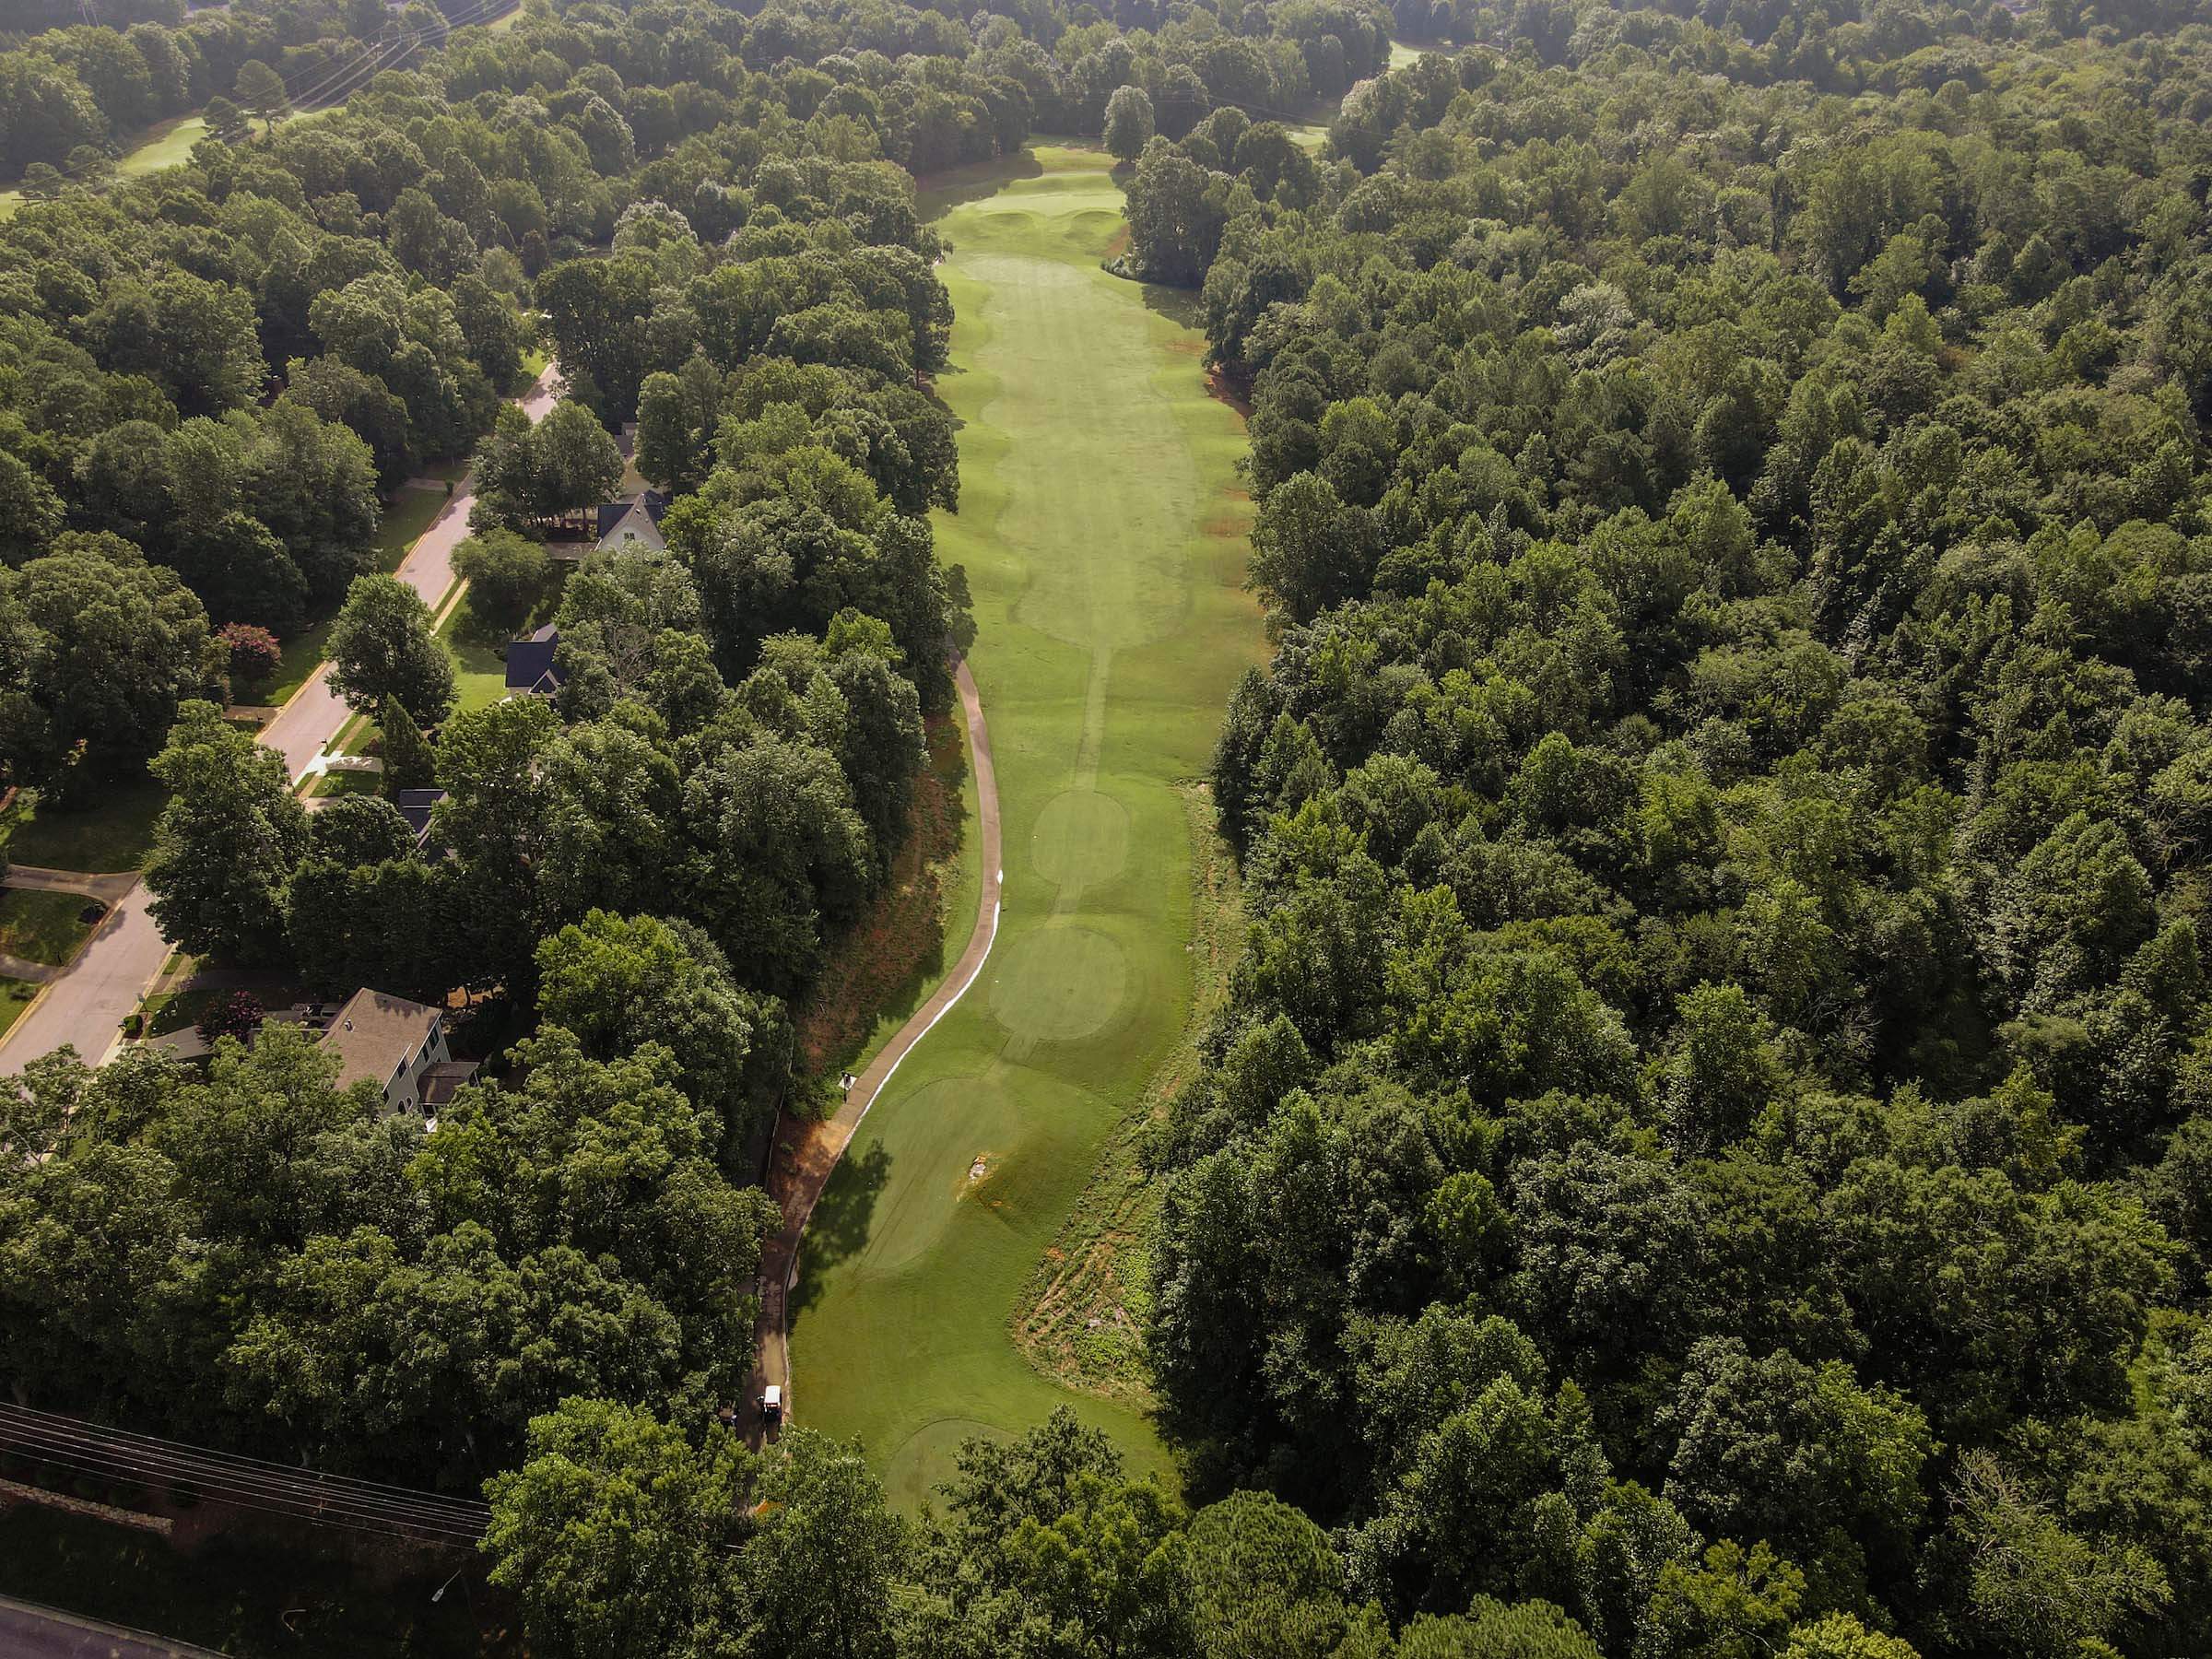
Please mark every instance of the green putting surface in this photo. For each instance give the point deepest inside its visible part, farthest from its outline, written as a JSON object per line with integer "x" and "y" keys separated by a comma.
{"x": 1103, "y": 536}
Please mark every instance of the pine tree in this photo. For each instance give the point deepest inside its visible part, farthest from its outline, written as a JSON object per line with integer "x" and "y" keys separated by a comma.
{"x": 408, "y": 762}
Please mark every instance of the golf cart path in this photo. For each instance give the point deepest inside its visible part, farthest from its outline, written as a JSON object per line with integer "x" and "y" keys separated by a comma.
{"x": 806, "y": 1153}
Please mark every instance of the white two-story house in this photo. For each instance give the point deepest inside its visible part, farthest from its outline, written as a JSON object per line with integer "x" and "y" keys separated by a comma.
{"x": 399, "y": 1046}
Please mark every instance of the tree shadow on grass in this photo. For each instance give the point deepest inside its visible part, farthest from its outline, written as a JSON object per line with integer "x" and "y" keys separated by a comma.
{"x": 900, "y": 945}
{"x": 839, "y": 1229}
{"x": 977, "y": 182}
{"x": 1184, "y": 307}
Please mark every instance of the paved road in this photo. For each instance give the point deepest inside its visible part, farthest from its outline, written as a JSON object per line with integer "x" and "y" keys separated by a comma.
{"x": 316, "y": 715}
{"x": 806, "y": 1153}
{"x": 30, "y": 1631}
{"x": 85, "y": 1007}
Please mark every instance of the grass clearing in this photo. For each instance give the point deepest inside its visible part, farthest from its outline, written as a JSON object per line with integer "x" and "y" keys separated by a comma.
{"x": 165, "y": 144}
{"x": 114, "y": 833}
{"x": 1104, "y": 538}
{"x": 45, "y": 927}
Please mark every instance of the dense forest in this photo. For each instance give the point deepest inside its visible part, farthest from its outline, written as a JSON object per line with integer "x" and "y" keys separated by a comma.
{"x": 1706, "y": 1151}
{"x": 1710, "y": 1128}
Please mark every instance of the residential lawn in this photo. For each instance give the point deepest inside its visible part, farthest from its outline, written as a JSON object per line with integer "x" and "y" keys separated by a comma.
{"x": 348, "y": 782}
{"x": 301, "y": 655}
{"x": 405, "y": 518}
{"x": 43, "y": 927}
{"x": 1111, "y": 625}
{"x": 353, "y": 737}
{"x": 534, "y": 362}
{"x": 15, "y": 996}
{"x": 170, "y": 1011}
{"x": 115, "y": 833}
{"x": 480, "y": 665}
{"x": 406, "y": 515}
{"x": 480, "y": 671}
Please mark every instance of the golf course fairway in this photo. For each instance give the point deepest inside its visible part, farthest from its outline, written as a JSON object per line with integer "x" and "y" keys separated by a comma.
{"x": 1103, "y": 536}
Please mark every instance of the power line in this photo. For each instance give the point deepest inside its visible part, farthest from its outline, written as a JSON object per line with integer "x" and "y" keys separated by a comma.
{"x": 256, "y": 1484}
{"x": 301, "y": 1497}
{"x": 328, "y": 92}
{"x": 367, "y": 49}
{"x": 311, "y": 1512}
{"x": 324, "y": 1518}
{"x": 157, "y": 1443}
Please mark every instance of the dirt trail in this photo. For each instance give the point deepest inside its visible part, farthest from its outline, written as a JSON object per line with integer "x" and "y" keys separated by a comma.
{"x": 806, "y": 1153}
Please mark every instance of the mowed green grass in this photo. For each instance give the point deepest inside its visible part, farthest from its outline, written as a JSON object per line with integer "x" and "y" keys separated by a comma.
{"x": 114, "y": 833}
{"x": 41, "y": 926}
{"x": 1104, "y": 538}
{"x": 165, "y": 144}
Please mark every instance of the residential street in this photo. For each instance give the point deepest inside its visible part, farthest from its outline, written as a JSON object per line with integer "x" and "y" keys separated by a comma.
{"x": 316, "y": 715}
{"x": 85, "y": 1008}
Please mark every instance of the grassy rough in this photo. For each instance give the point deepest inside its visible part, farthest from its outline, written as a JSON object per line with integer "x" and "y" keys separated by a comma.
{"x": 1103, "y": 540}
{"x": 1081, "y": 1317}
{"x": 894, "y": 955}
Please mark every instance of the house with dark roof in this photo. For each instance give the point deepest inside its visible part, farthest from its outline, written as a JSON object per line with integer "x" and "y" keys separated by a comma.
{"x": 530, "y": 670}
{"x": 415, "y": 805}
{"x": 396, "y": 1044}
{"x": 633, "y": 524}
